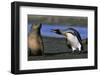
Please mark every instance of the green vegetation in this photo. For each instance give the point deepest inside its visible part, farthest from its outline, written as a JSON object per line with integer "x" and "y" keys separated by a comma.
{"x": 63, "y": 20}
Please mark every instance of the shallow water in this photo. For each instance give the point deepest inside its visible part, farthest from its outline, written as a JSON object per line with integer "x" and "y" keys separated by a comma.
{"x": 46, "y": 30}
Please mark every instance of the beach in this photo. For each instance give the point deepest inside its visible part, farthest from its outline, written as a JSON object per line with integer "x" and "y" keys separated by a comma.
{"x": 56, "y": 48}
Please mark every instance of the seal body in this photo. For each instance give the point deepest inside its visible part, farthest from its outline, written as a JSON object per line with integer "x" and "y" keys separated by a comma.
{"x": 35, "y": 43}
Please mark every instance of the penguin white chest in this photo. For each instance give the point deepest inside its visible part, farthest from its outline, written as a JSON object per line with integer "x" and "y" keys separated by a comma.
{"x": 73, "y": 40}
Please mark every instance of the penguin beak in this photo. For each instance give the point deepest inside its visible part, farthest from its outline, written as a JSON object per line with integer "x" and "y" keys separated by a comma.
{"x": 57, "y": 31}
{"x": 52, "y": 30}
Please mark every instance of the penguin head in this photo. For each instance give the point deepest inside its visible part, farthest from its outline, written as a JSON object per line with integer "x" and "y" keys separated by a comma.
{"x": 57, "y": 31}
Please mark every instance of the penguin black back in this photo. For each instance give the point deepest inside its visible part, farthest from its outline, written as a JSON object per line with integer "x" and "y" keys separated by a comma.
{"x": 76, "y": 33}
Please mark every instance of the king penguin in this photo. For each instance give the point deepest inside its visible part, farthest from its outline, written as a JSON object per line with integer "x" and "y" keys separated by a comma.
{"x": 73, "y": 38}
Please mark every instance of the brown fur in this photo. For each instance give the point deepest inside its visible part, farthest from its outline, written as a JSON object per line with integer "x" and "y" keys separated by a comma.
{"x": 35, "y": 43}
